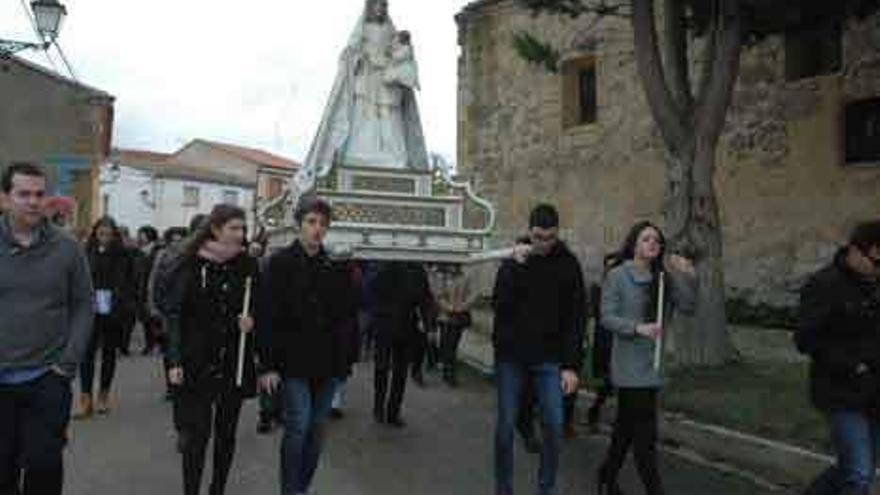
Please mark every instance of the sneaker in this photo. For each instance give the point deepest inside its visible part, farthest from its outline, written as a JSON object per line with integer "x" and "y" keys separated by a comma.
{"x": 336, "y": 413}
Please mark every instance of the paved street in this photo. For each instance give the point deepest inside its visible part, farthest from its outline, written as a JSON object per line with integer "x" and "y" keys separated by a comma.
{"x": 445, "y": 450}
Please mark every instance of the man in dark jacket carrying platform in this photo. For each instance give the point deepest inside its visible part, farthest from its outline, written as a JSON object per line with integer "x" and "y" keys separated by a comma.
{"x": 539, "y": 299}
{"x": 840, "y": 331}
{"x": 305, "y": 302}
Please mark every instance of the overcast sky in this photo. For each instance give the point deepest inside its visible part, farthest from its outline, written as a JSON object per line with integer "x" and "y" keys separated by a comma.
{"x": 249, "y": 72}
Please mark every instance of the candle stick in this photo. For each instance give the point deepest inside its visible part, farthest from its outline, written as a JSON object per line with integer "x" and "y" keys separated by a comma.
{"x": 658, "y": 345}
{"x": 242, "y": 338}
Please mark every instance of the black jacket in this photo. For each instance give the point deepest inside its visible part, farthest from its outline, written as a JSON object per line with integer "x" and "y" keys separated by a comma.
{"x": 205, "y": 302}
{"x": 305, "y": 306}
{"x": 839, "y": 329}
{"x": 402, "y": 298}
{"x": 113, "y": 269}
{"x": 540, "y": 310}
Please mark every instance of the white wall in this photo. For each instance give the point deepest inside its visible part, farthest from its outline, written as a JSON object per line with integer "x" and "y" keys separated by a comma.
{"x": 170, "y": 208}
{"x": 130, "y": 208}
{"x": 124, "y": 203}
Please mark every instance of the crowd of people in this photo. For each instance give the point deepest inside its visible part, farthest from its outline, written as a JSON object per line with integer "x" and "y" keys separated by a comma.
{"x": 234, "y": 322}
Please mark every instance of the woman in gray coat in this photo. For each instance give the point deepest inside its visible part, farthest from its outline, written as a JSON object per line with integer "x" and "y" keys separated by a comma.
{"x": 630, "y": 298}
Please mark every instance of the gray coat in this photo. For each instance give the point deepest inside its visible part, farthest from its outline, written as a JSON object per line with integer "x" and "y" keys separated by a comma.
{"x": 624, "y": 299}
{"x": 45, "y": 300}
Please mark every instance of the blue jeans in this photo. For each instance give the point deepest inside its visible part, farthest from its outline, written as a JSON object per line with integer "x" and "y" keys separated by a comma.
{"x": 856, "y": 440}
{"x": 306, "y": 406}
{"x": 547, "y": 381}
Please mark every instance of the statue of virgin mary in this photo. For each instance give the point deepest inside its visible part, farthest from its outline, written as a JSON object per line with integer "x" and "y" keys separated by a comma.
{"x": 371, "y": 118}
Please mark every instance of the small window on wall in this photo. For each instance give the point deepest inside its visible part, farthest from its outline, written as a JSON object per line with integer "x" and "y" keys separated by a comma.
{"x": 191, "y": 196}
{"x": 813, "y": 52}
{"x": 230, "y": 197}
{"x": 862, "y": 129}
{"x": 579, "y": 92}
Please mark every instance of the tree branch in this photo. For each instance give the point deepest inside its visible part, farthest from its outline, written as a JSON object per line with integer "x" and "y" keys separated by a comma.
{"x": 713, "y": 104}
{"x": 708, "y": 52}
{"x": 668, "y": 116}
{"x": 675, "y": 47}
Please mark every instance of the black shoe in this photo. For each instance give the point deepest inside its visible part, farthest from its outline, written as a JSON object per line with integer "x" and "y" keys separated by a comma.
{"x": 125, "y": 352}
{"x": 336, "y": 413}
{"x": 593, "y": 419}
{"x": 450, "y": 380}
{"x": 396, "y": 422}
{"x": 264, "y": 426}
{"x": 378, "y": 415}
{"x": 419, "y": 379}
{"x": 607, "y": 486}
{"x": 181, "y": 443}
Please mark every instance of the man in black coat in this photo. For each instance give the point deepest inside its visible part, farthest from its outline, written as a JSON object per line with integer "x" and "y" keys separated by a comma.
{"x": 840, "y": 331}
{"x": 403, "y": 298}
{"x": 305, "y": 303}
{"x": 539, "y": 323}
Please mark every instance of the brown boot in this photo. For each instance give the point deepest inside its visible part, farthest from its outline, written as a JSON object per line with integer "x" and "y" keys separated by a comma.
{"x": 86, "y": 408}
{"x": 103, "y": 405}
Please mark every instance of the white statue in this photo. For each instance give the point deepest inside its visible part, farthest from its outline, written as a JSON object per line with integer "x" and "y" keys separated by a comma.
{"x": 371, "y": 118}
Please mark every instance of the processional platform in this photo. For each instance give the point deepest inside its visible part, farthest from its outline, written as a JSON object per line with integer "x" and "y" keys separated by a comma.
{"x": 396, "y": 214}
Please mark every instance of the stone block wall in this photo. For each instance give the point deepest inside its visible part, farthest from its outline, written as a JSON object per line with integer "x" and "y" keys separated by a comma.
{"x": 787, "y": 199}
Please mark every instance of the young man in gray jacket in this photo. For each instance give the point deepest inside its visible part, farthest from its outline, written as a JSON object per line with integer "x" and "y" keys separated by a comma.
{"x": 46, "y": 308}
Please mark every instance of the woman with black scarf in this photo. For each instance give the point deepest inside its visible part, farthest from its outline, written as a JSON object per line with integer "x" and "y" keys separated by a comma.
{"x": 205, "y": 323}
{"x": 114, "y": 285}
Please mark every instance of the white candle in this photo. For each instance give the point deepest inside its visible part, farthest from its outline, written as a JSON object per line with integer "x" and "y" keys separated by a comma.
{"x": 242, "y": 338}
{"x": 658, "y": 345}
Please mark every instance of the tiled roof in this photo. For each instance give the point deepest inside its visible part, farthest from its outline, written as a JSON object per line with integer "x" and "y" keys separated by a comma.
{"x": 259, "y": 157}
{"x": 164, "y": 165}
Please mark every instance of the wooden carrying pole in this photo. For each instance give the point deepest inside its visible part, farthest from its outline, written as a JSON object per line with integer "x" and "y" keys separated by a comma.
{"x": 658, "y": 345}
{"x": 242, "y": 338}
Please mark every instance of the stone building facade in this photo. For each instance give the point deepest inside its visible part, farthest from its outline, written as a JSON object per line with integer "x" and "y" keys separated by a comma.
{"x": 789, "y": 183}
{"x": 59, "y": 123}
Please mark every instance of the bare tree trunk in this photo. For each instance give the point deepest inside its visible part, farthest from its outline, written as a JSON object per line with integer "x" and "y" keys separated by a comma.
{"x": 691, "y": 132}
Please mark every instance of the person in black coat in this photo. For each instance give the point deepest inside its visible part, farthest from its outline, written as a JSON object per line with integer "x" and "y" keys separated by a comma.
{"x": 114, "y": 284}
{"x": 840, "y": 331}
{"x": 540, "y": 312}
{"x": 403, "y": 299}
{"x": 206, "y": 320}
{"x": 303, "y": 334}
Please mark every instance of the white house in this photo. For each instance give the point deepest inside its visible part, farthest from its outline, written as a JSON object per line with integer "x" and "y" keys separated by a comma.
{"x": 140, "y": 188}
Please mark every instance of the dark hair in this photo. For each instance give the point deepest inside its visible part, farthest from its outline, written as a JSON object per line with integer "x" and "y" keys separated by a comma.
{"x": 865, "y": 235}
{"x": 220, "y": 216}
{"x": 404, "y": 37}
{"x": 19, "y": 168}
{"x": 544, "y": 216}
{"x": 196, "y": 221}
{"x": 312, "y": 204}
{"x": 92, "y": 242}
{"x": 149, "y": 232}
{"x": 628, "y": 252}
{"x": 174, "y": 231}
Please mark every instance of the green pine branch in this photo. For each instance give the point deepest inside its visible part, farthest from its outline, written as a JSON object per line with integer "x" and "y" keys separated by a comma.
{"x": 535, "y": 51}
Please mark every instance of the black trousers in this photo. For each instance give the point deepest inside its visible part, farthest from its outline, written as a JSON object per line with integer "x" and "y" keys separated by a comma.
{"x": 106, "y": 335}
{"x": 202, "y": 410}
{"x": 393, "y": 357}
{"x": 33, "y": 417}
{"x": 636, "y": 427}
{"x": 450, "y": 338}
{"x": 423, "y": 349}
